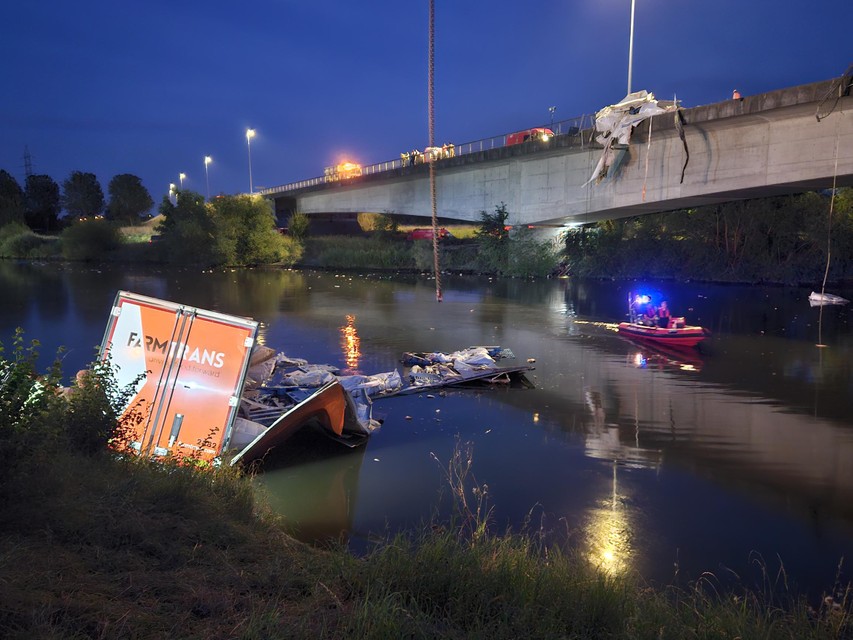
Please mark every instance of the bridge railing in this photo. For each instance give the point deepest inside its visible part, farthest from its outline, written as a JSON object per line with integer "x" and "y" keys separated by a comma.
{"x": 579, "y": 129}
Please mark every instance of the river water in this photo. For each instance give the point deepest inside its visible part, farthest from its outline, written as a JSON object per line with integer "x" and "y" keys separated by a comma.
{"x": 734, "y": 459}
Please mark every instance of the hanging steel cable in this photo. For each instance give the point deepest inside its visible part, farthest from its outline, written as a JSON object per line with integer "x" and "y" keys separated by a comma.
{"x": 828, "y": 241}
{"x": 429, "y": 157}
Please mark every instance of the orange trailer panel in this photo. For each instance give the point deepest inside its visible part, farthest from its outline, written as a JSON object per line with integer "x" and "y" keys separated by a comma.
{"x": 187, "y": 367}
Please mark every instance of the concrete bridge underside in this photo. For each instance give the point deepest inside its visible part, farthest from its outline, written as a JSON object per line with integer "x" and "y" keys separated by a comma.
{"x": 763, "y": 145}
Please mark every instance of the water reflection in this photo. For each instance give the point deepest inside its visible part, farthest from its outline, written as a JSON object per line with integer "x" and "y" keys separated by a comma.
{"x": 313, "y": 483}
{"x": 653, "y": 357}
{"x": 350, "y": 343}
{"x": 609, "y": 532}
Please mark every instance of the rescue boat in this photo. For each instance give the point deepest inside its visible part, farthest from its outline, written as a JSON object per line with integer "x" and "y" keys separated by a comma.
{"x": 677, "y": 333}
{"x": 680, "y": 335}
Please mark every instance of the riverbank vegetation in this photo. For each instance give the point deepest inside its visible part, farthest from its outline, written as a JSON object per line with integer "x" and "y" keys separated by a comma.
{"x": 235, "y": 231}
{"x": 782, "y": 240}
{"x": 486, "y": 248}
{"x": 96, "y": 545}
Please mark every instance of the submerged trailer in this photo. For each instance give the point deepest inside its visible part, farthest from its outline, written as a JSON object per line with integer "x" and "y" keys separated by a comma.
{"x": 186, "y": 367}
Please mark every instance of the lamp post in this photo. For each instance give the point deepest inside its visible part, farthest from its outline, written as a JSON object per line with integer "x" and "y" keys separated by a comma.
{"x": 631, "y": 47}
{"x": 181, "y": 177}
{"x": 552, "y": 110}
{"x": 172, "y": 192}
{"x": 207, "y": 161}
{"x": 250, "y": 133}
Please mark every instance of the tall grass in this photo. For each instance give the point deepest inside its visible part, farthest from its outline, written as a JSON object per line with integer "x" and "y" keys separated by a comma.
{"x": 345, "y": 252}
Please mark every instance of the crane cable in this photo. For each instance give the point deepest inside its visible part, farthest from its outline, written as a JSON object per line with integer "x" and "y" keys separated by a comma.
{"x": 430, "y": 158}
{"x": 828, "y": 239}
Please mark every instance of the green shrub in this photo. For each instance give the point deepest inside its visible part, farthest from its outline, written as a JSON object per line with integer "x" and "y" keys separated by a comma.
{"x": 531, "y": 258}
{"x": 452, "y": 256}
{"x": 13, "y": 229}
{"x": 90, "y": 240}
{"x": 92, "y": 408}
{"x": 244, "y": 233}
{"x": 422, "y": 255}
{"x": 26, "y": 244}
{"x": 231, "y": 230}
{"x": 187, "y": 242}
{"x": 30, "y": 408}
{"x": 493, "y": 238}
{"x": 297, "y": 226}
{"x": 290, "y": 251}
{"x": 385, "y": 226}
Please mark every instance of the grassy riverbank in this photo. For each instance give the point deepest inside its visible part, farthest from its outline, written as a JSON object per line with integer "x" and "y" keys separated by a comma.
{"x": 98, "y": 547}
{"x": 95, "y": 545}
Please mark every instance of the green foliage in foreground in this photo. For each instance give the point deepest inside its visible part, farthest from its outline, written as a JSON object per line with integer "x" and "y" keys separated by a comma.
{"x": 39, "y": 417}
{"x": 106, "y": 546}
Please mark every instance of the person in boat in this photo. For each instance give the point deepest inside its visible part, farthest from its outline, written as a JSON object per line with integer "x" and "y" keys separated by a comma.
{"x": 649, "y": 316}
{"x": 663, "y": 315}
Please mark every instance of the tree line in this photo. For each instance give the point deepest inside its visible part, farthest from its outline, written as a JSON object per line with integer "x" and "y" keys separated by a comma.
{"x": 782, "y": 239}
{"x": 40, "y": 201}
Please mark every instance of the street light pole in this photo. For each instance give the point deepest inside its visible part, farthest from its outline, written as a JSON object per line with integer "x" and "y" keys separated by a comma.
{"x": 552, "y": 110}
{"x": 207, "y": 161}
{"x": 250, "y": 133}
{"x": 181, "y": 177}
{"x": 631, "y": 47}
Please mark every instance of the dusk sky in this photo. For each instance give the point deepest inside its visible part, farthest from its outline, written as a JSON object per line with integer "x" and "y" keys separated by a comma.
{"x": 150, "y": 88}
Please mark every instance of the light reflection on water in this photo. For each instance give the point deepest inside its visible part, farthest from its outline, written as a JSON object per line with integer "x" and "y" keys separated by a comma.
{"x": 609, "y": 533}
{"x": 350, "y": 343}
{"x": 645, "y": 455}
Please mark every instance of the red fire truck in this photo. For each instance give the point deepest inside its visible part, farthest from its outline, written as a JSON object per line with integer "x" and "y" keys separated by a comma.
{"x": 541, "y": 134}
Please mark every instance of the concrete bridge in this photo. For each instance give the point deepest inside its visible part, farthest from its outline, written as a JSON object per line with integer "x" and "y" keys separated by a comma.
{"x": 785, "y": 141}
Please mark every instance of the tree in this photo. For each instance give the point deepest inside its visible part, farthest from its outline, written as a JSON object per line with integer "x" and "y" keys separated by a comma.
{"x": 297, "y": 226}
{"x": 493, "y": 225}
{"x": 187, "y": 230}
{"x": 42, "y": 203}
{"x": 493, "y": 238}
{"x": 12, "y": 207}
{"x": 129, "y": 199}
{"x": 246, "y": 233}
{"x": 233, "y": 230}
{"x": 82, "y": 196}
